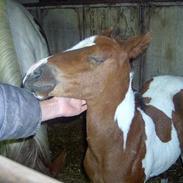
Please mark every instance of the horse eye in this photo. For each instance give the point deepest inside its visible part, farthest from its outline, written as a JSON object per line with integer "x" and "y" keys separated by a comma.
{"x": 95, "y": 59}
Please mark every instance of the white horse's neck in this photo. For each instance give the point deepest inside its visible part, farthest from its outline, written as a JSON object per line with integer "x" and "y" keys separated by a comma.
{"x": 29, "y": 44}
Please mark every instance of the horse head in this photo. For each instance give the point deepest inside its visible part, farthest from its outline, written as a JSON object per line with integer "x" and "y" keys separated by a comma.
{"x": 87, "y": 69}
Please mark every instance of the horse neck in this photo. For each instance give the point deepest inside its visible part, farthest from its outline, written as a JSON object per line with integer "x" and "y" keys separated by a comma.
{"x": 106, "y": 114}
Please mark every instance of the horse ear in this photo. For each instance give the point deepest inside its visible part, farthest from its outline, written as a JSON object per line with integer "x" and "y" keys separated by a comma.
{"x": 136, "y": 45}
{"x": 107, "y": 32}
{"x": 111, "y": 32}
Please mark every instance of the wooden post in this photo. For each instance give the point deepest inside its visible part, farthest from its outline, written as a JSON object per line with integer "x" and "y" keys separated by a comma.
{"x": 12, "y": 172}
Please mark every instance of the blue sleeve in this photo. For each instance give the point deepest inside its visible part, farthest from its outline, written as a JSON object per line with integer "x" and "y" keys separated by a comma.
{"x": 20, "y": 113}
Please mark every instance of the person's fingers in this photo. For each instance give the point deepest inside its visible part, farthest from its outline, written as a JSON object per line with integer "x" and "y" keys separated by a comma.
{"x": 83, "y": 102}
{"x": 83, "y": 108}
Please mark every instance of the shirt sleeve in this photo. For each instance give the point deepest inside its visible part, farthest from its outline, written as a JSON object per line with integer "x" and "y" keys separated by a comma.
{"x": 20, "y": 113}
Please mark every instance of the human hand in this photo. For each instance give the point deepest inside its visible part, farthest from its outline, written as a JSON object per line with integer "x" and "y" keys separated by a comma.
{"x": 61, "y": 107}
{"x": 71, "y": 107}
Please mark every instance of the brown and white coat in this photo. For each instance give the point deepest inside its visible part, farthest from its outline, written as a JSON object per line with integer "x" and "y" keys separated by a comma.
{"x": 127, "y": 143}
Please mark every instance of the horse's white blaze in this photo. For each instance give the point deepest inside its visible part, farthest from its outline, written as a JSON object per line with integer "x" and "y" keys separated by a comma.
{"x": 159, "y": 155}
{"x": 90, "y": 41}
{"x": 161, "y": 91}
{"x": 125, "y": 111}
{"x": 34, "y": 67}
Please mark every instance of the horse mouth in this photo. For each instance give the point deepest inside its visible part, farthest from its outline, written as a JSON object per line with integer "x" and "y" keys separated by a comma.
{"x": 41, "y": 97}
{"x": 39, "y": 89}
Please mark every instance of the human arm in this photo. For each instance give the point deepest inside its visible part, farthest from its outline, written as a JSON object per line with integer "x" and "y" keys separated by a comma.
{"x": 61, "y": 107}
{"x": 21, "y": 113}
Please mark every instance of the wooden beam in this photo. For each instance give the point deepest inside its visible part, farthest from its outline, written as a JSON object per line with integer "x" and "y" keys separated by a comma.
{"x": 12, "y": 172}
{"x": 43, "y": 3}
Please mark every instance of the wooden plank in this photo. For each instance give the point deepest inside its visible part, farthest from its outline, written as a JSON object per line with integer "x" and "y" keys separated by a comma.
{"x": 100, "y": 18}
{"x": 66, "y": 26}
{"x": 63, "y": 27}
{"x": 88, "y": 2}
{"x": 165, "y": 54}
{"x": 126, "y": 18}
{"x": 12, "y": 172}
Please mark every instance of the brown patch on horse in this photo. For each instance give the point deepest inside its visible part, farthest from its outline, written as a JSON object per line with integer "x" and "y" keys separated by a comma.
{"x": 145, "y": 86}
{"x": 178, "y": 115}
{"x": 162, "y": 123}
{"x": 146, "y": 100}
{"x": 125, "y": 164}
{"x": 136, "y": 149}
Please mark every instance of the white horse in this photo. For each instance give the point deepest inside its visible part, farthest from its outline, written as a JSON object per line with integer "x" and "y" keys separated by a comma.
{"x": 22, "y": 44}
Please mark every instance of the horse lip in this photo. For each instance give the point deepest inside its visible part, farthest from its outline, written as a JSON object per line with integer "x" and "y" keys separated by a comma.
{"x": 39, "y": 97}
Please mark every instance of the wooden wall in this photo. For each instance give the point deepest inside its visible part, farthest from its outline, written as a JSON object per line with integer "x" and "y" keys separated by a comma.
{"x": 65, "y": 25}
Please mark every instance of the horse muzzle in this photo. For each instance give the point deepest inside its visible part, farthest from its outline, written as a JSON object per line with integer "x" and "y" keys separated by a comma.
{"x": 40, "y": 81}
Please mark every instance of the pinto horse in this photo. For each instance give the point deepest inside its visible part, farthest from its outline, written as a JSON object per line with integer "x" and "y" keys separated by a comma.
{"x": 127, "y": 142}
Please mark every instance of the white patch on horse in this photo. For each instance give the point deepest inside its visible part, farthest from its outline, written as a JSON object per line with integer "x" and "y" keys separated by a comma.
{"x": 161, "y": 91}
{"x": 90, "y": 41}
{"x": 125, "y": 111}
{"x": 35, "y": 66}
{"x": 159, "y": 155}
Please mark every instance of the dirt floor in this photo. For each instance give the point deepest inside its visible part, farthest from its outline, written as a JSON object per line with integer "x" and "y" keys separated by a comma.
{"x": 69, "y": 135}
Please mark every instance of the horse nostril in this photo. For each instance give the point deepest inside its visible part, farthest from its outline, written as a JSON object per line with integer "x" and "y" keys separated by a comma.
{"x": 41, "y": 80}
{"x": 37, "y": 74}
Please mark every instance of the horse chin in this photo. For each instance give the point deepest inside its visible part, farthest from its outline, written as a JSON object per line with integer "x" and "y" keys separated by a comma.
{"x": 41, "y": 97}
